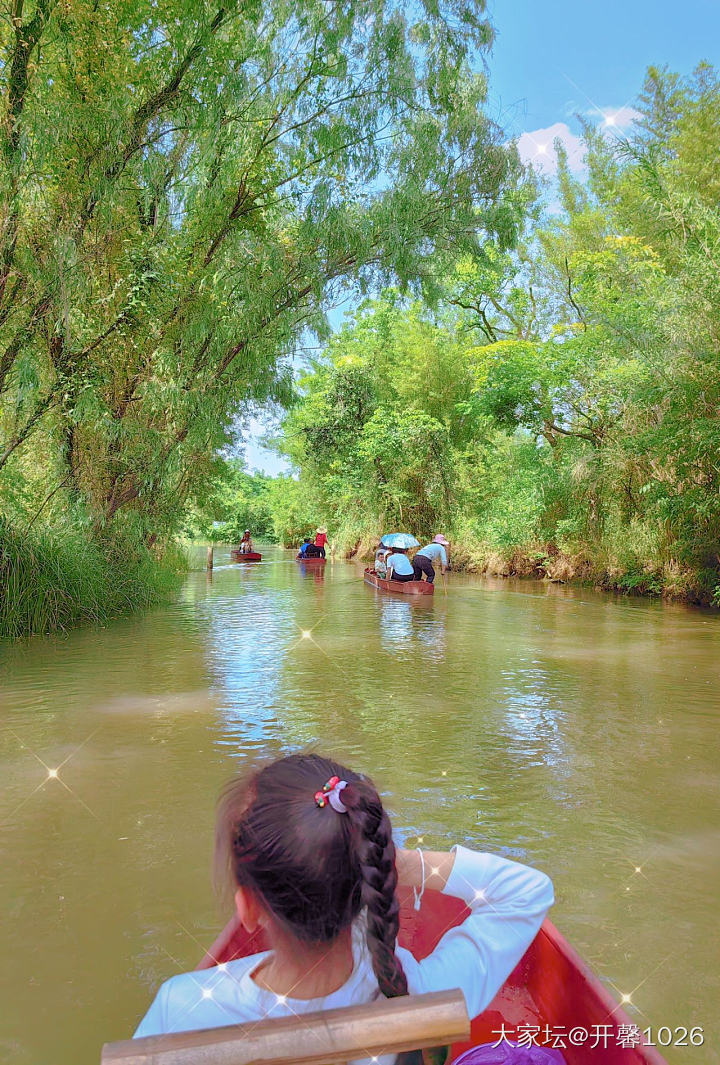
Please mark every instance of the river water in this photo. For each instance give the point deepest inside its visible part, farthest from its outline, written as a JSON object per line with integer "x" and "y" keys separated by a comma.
{"x": 564, "y": 728}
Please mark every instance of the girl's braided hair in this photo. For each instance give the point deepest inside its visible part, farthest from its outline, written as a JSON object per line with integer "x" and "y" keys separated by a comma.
{"x": 312, "y": 869}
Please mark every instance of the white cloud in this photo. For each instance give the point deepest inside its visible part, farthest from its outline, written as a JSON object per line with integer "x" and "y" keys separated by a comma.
{"x": 614, "y": 117}
{"x": 536, "y": 147}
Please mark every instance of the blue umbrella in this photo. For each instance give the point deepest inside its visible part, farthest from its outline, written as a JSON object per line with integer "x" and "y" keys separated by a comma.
{"x": 403, "y": 540}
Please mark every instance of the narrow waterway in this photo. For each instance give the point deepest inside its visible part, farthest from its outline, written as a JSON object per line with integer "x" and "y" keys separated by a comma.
{"x": 567, "y": 729}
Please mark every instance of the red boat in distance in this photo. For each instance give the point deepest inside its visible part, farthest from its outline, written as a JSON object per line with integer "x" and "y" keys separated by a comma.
{"x": 248, "y": 556}
{"x": 400, "y": 587}
{"x": 310, "y": 561}
{"x": 551, "y": 989}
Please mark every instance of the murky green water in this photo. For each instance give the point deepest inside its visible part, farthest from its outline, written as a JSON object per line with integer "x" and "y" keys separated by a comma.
{"x": 570, "y": 730}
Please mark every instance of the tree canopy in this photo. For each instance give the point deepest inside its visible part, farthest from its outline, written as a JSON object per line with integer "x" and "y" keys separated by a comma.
{"x": 186, "y": 186}
{"x": 560, "y": 405}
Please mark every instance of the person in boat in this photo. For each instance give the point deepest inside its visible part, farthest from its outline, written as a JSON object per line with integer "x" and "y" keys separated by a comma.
{"x": 399, "y": 566}
{"x": 245, "y": 547}
{"x": 309, "y": 851}
{"x": 321, "y": 539}
{"x": 381, "y": 561}
{"x": 311, "y": 550}
{"x": 302, "y": 550}
{"x": 424, "y": 558}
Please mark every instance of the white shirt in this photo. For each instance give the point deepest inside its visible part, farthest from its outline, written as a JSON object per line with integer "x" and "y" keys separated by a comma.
{"x": 400, "y": 563}
{"x": 508, "y": 903}
{"x": 435, "y": 552}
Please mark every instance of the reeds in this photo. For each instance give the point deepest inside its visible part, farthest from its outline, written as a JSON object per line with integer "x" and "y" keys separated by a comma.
{"x": 51, "y": 581}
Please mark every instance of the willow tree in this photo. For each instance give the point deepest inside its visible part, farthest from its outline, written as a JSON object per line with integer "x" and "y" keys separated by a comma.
{"x": 185, "y": 187}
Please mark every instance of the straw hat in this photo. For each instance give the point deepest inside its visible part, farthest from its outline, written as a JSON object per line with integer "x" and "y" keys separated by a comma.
{"x": 321, "y": 529}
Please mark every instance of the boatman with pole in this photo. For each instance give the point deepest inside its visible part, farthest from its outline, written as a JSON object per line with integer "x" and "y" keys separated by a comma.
{"x": 424, "y": 558}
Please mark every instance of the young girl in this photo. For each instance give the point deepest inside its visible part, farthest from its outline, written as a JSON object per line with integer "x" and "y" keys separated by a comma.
{"x": 314, "y": 864}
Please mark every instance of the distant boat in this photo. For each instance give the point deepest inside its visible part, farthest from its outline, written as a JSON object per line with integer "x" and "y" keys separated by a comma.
{"x": 248, "y": 556}
{"x": 401, "y": 587}
{"x": 312, "y": 561}
{"x": 551, "y": 986}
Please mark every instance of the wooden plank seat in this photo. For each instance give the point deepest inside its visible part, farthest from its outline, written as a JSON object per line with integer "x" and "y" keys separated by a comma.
{"x": 329, "y": 1037}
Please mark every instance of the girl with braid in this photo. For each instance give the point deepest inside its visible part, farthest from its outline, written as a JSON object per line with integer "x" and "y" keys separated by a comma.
{"x": 310, "y": 851}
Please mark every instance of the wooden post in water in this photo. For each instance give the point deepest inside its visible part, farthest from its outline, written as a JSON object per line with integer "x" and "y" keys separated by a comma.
{"x": 210, "y": 558}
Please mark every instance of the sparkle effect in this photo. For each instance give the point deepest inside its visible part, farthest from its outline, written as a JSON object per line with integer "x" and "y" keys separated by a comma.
{"x": 627, "y": 998}
{"x": 221, "y": 972}
{"x": 611, "y": 122}
{"x": 51, "y": 773}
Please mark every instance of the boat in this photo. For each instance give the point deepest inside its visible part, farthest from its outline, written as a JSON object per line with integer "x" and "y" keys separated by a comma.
{"x": 312, "y": 561}
{"x": 551, "y": 986}
{"x": 248, "y": 556}
{"x": 401, "y": 587}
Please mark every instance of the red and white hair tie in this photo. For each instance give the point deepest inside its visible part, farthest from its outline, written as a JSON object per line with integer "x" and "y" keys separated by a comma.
{"x": 330, "y": 793}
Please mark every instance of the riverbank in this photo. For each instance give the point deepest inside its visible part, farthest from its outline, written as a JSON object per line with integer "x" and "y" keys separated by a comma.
{"x": 669, "y": 581}
{"x": 52, "y": 581}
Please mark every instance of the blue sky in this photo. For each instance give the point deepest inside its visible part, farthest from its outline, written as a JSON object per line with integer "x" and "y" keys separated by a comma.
{"x": 555, "y": 58}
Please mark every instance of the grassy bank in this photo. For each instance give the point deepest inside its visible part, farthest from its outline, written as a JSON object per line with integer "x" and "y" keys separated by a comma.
{"x": 545, "y": 562}
{"x": 52, "y": 581}
{"x": 598, "y": 568}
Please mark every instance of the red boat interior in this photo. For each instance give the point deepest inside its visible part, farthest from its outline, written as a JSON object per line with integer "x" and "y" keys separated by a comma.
{"x": 402, "y": 587}
{"x": 550, "y": 986}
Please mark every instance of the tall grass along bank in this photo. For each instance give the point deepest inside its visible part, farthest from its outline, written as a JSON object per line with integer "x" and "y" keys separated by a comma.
{"x": 53, "y": 580}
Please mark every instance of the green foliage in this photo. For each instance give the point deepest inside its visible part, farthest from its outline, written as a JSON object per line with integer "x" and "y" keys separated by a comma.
{"x": 204, "y": 182}
{"x": 511, "y": 505}
{"x": 294, "y": 511}
{"x": 381, "y": 420}
{"x": 184, "y": 185}
{"x": 184, "y": 189}
{"x": 236, "y": 500}
{"x": 53, "y": 581}
{"x": 403, "y": 463}
{"x": 640, "y": 582}
{"x": 562, "y": 402}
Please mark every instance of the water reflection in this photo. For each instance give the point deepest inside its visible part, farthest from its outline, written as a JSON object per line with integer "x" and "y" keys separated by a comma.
{"x": 565, "y": 728}
{"x": 532, "y": 714}
{"x": 315, "y": 571}
{"x": 249, "y": 637}
{"x": 412, "y": 627}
